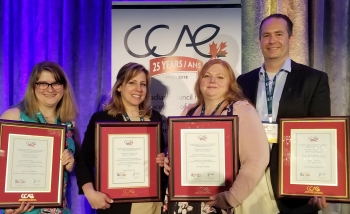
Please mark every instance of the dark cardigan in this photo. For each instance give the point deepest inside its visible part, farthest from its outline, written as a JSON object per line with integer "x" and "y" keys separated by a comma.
{"x": 85, "y": 163}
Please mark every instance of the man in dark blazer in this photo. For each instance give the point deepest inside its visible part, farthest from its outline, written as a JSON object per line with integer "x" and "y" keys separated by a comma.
{"x": 282, "y": 88}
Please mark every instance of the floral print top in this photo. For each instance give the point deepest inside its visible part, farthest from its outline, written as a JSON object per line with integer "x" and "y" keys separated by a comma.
{"x": 192, "y": 207}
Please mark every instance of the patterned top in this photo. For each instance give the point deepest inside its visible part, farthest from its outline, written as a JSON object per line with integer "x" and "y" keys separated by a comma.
{"x": 71, "y": 148}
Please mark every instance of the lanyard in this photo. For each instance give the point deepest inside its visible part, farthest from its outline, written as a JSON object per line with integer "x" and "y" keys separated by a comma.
{"x": 128, "y": 118}
{"x": 269, "y": 94}
{"x": 215, "y": 110}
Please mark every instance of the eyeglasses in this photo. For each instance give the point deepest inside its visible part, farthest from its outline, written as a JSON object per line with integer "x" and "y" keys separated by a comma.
{"x": 45, "y": 85}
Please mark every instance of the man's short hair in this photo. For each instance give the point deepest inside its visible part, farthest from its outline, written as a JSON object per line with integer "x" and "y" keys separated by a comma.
{"x": 279, "y": 16}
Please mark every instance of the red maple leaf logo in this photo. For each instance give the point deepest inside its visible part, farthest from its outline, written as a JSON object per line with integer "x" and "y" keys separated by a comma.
{"x": 216, "y": 51}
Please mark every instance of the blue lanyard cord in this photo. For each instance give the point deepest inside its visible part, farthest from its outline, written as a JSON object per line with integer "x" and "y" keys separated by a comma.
{"x": 269, "y": 94}
{"x": 128, "y": 118}
{"x": 215, "y": 110}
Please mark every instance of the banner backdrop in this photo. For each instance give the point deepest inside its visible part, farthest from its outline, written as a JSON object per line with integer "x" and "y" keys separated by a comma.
{"x": 174, "y": 44}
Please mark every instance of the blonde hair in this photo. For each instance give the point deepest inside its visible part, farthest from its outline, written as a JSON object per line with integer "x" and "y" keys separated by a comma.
{"x": 66, "y": 109}
{"x": 126, "y": 73}
{"x": 234, "y": 92}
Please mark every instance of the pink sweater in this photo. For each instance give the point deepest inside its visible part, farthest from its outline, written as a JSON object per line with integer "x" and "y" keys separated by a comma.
{"x": 253, "y": 154}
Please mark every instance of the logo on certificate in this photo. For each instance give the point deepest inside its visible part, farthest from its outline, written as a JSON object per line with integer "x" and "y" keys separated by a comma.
{"x": 313, "y": 139}
{"x": 196, "y": 175}
{"x": 202, "y": 137}
{"x": 313, "y": 190}
{"x": 128, "y": 142}
{"x": 129, "y": 192}
{"x": 27, "y": 197}
{"x": 203, "y": 190}
{"x": 122, "y": 174}
{"x": 304, "y": 174}
{"x": 20, "y": 181}
{"x": 31, "y": 144}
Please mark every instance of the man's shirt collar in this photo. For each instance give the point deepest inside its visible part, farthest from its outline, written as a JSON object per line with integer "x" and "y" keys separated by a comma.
{"x": 287, "y": 66}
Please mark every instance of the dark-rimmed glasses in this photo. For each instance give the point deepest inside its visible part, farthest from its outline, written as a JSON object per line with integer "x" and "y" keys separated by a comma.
{"x": 45, "y": 85}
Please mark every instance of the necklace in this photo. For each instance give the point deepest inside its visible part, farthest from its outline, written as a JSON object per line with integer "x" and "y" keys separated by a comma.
{"x": 48, "y": 120}
{"x": 44, "y": 119}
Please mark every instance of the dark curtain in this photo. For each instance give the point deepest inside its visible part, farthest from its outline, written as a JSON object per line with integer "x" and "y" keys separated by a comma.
{"x": 74, "y": 33}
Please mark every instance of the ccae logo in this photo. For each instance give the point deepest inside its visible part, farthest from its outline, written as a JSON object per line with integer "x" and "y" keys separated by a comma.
{"x": 313, "y": 188}
{"x": 30, "y": 143}
{"x": 202, "y": 137}
{"x": 31, "y": 196}
{"x": 194, "y": 44}
{"x": 313, "y": 139}
{"x": 128, "y": 191}
{"x": 128, "y": 142}
{"x": 203, "y": 190}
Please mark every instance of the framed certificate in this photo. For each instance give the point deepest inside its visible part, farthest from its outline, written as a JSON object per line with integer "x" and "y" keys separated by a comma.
{"x": 314, "y": 157}
{"x": 30, "y": 164}
{"x": 203, "y": 154}
{"x": 126, "y": 168}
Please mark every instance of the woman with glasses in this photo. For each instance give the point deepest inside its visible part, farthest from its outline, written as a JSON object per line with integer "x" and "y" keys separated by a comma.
{"x": 48, "y": 99}
{"x": 130, "y": 101}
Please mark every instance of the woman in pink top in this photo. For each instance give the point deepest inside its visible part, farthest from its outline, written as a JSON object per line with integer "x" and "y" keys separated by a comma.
{"x": 219, "y": 94}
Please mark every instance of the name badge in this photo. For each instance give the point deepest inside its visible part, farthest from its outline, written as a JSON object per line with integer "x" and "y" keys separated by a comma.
{"x": 271, "y": 130}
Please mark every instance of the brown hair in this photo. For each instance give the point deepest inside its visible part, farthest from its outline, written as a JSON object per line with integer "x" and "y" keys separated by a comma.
{"x": 278, "y": 16}
{"x": 66, "y": 108}
{"x": 126, "y": 73}
{"x": 234, "y": 92}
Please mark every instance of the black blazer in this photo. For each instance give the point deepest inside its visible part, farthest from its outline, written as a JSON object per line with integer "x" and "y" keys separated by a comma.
{"x": 305, "y": 94}
{"x": 85, "y": 163}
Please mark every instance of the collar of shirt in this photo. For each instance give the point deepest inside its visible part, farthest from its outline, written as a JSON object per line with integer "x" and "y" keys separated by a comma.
{"x": 287, "y": 66}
